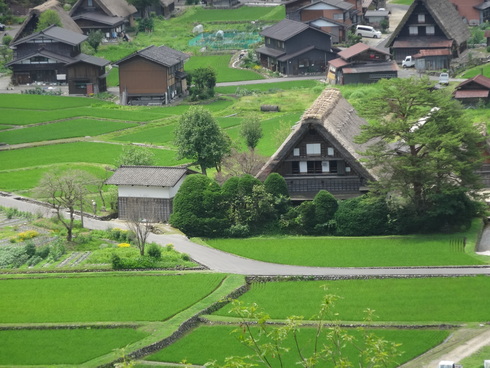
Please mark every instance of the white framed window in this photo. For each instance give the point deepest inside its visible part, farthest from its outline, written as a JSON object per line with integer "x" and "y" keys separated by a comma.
{"x": 303, "y": 167}
{"x": 296, "y": 152}
{"x": 421, "y": 18}
{"x": 330, "y": 151}
{"x": 347, "y": 169}
{"x": 313, "y": 149}
{"x": 325, "y": 166}
{"x": 430, "y": 30}
{"x": 413, "y": 30}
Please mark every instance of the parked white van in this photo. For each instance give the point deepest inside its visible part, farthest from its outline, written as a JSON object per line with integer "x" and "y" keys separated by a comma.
{"x": 367, "y": 31}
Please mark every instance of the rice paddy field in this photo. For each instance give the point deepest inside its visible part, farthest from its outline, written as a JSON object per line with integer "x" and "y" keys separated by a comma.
{"x": 51, "y": 132}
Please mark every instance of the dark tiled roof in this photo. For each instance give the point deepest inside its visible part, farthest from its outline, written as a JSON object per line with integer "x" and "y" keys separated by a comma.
{"x": 270, "y": 52}
{"x": 377, "y": 13}
{"x": 340, "y": 4}
{"x": 161, "y": 55}
{"x": 296, "y": 54}
{"x": 56, "y": 33}
{"x": 154, "y": 176}
{"x": 100, "y": 18}
{"x": 432, "y": 52}
{"x": 284, "y": 30}
{"x": 371, "y": 68}
{"x": 444, "y": 14}
{"x": 60, "y": 58}
{"x": 88, "y": 59}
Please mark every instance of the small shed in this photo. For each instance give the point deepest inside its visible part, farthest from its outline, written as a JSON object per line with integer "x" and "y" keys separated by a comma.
{"x": 147, "y": 192}
{"x": 473, "y": 90}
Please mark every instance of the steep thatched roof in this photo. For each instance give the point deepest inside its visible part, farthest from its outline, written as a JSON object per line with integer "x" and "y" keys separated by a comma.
{"x": 30, "y": 23}
{"x": 112, "y": 8}
{"x": 334, "y": 119}
{"x": 444, "y": 14}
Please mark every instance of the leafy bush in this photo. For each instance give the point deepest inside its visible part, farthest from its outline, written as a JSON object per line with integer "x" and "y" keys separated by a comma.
{"x": 56, "y": 249}
{"x": 30, "y": 249}
{"x": 154, "y": 251}
{"x": 362, "y": 216}
{"x": 34, "y": 261}
{"x": 238, "y": 231}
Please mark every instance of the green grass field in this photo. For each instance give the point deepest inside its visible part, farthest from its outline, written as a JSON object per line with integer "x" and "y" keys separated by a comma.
{"x": 37, "y": 102}
{"x": 64, "y": 129}
{"x": 481, "y": 69}
{"x": 268, "y": 87}
{"x": 221, "y": 64}
{"x": 102, "y": 298}
{"x": 417, "y": 250}
{"x": 208, "y": 343}
{"x": 64, "y": 346}
{"x": 78, "y": 152}
{"x": 426, "y": 300}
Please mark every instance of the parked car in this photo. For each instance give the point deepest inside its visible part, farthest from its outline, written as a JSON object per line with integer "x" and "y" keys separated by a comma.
{"x": 444, "y": 78}
{"x": 408, "y": 62}
{"x": 367, "y": 31}
{"x": 2, "y": 27}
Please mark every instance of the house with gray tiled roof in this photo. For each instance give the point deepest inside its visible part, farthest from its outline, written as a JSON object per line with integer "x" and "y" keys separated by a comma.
{"x": 473, "y": 12}
{"x": 153, "y": 75}
{"x": 432, "y": 29}
{"x": 147, "y": 192}
{"x": 54, "y": 56}
{"x": 295, "y": 48}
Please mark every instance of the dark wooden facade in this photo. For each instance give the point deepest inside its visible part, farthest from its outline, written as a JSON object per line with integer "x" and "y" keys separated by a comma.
{"x": 86, "y": 78}
{"x": 432, "y": 26}
{"x": 150, "y": 209}
{"x": 154, "y": 75}
{"x": 307, "y": 50}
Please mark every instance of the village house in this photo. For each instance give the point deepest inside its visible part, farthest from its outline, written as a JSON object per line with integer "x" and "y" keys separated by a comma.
{"x": 53, "y": 56}
{"x": 29, "y": 25}
{"x": 153, "y": 75}
{"x": 332, "y": 16}
{"x": 293, "y": 8}
{"x": 474, "y": 90}
{"x": 375, "y": 18}
{"x": 361, "y": 64}
{"x": 474, "y": 12}
{"x": 321, "y": 153}
{"x": 295, "y": 48}
{"x": 431, "y": 29}
{"x": 147, "y": 192}
{"x": 108, "y": 16}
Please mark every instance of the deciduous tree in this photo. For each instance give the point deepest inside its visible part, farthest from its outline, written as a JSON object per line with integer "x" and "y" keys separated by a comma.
{"x": 199, "y": 138}
{"x": 65, "y": 191}
{"x": 136, "y": 156}
{"x": 95, "y": 38}
{"x": 251, "y": 131}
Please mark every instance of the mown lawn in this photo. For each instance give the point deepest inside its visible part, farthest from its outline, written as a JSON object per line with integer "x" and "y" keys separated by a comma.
{"x": 417, "y": 250}
{"x": 63, "y": 346}
{"x": 103, "y": 298}
{"x": 208, "y": 343}
{"x": 63, "y": 129}
{"x": 220, "y": 63}
{"x": 415, "y": 300}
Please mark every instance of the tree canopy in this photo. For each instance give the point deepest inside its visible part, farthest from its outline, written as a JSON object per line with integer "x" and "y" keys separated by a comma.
{"x": 143, "y": 6}
{"x": 251, "y": 131}
{"x": 48, "y": 18}
{"x": 421, "y": 144}
{"x": 136, "y": 156}
{"x": 198, "y": 137}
